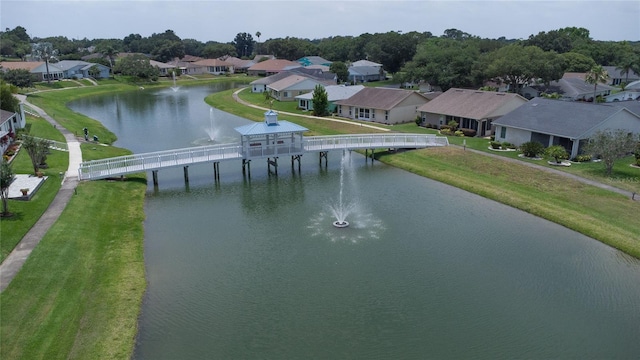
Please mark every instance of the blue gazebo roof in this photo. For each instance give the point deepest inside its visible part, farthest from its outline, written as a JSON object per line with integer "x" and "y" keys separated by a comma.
{"x": 262, "y": 128}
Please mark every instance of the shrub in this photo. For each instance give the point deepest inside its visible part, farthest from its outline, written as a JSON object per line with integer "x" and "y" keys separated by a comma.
{"x": 453, "y": 124}
{"x": 445, "y": 127}
{"x": 459, "y": 133}
{"x": 418, "y": 120}
{"x": 495, "y": 145}
{"x": 506, "y": 145}
{"x": 583, "y": 158}
{"x": 532, "y": 148}
{"x": 468, "y": 132}
{"x": 557, "y": 152}
{"x": 637, "y": 154}
{"x": 446, "y": 131}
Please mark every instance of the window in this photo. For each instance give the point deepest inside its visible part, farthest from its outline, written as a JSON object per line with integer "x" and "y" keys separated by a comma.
{"x": 503, "y": 132}
{"x": 363, "y": 114}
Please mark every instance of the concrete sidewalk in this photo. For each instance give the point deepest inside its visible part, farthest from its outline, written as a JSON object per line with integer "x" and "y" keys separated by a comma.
{"x": 13, "y": 263}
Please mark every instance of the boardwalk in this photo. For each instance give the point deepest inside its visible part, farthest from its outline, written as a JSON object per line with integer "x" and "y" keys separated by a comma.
{"x": 123, "y": 165}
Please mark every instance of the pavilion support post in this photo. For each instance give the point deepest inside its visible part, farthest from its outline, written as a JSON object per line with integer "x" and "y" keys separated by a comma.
{"x": 216, "y": 170}
{"x": 293, "y": 159}
{"x": 154, "y": 175}
{"x": 246, "y": 167}
{"x": 186, "y": 174}
{"x": 323, "y": 155}
{"x": 272, "y": 162}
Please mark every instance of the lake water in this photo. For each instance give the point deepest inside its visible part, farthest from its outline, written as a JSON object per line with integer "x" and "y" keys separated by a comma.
{"x": 251, "y": 268}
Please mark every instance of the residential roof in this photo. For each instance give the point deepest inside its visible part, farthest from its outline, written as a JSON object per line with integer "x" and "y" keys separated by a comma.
{"x": 365, "y": 63}
{"x": 573, "y": 87}
{"x": 273, "y": 65}
{"x": 237, "y": 62}
{"x": 615, "y": 72}
{"x": 378, "y": 98}
{"x": 470, "y": 104}
{"x": 212, "y": 62}
{"x": 313, "y": 60}
{"x": 161, "y": 65}
{"x": 289, "y": 81}
{"x": 633, "y": 106}
{"x": 335, "y": 92}
{"x": 5, "y": 115}
{"x": 15, "y": 65}
{"x": 569, "y": 119}
{"x": 310, "y": 73}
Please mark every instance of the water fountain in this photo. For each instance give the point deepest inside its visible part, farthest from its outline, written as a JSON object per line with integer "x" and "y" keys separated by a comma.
{"x": 342, "y": 208}
{"x": 174, "y": 87}
{"x": 211, "y": 131}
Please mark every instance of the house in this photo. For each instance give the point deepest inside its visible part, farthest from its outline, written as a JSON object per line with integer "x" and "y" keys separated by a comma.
{"x": 383, "y": 105}
{"x": 572, "y": 87}
{"x": 570, "y": 124}
{"x": 313, "y": 60}
{"x": 260, "y": 85}
{"x": 239, "y": 65}
{"x": 616, "y": 77}
{"x": 291, "y": 86}
{"x": 271, "y": 66}
{"x": 38, "y": 69}
{"x": 9, "y": 123}
{"x": 334, "y": 93}
{"x": 366, "y": 63}
{"x": 186, "y": 65}
{"x": 77, "y": 69}
{"x": 361, "y": 74}
{"x": 471, "y": 109}
{"x": 215, "y": 66}
{"x": 631, "y": 92}
{"x": 164, "y": 68}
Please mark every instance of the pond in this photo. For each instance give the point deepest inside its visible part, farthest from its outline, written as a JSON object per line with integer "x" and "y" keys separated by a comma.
{"x": 251, "y": 267}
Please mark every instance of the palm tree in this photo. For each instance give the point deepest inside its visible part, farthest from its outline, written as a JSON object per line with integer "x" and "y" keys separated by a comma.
{"x": 44, "y": 51}
{"x": 596, "y": 75}
{"x": 258, "y": 33}
{"x": 110, "y": 52}
{"x": 626, "y": 65}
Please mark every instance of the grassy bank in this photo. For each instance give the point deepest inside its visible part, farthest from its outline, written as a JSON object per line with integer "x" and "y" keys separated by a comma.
{"x": 603, "y": 215}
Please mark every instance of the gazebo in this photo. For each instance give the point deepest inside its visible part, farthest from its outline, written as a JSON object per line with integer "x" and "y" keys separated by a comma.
{"x": 271, "y": 139}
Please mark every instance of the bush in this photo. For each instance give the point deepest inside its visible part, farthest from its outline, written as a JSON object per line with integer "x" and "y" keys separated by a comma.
{"x": 468, "y": 132}
{"x": 453, "y": 124}
{"x": 495, "y": 145}
{"x": 557, "y": 152}
{"x": 447, "y": 127}
{"x": 459, "y": 133}
{"x": 506, "y": 145}
{"x": 582, "y": 158}
{"x": 418, "y": 120}
{"x": 532, "y": 149}
{"x": 446, "y": 131}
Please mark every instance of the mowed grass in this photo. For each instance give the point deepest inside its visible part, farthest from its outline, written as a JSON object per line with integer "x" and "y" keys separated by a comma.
{"x": 78, "y": 296}
{"x": 597, "y": 213}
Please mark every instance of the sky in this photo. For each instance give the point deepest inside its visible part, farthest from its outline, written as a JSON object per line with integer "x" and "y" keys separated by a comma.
{"x": 221, "y": 21}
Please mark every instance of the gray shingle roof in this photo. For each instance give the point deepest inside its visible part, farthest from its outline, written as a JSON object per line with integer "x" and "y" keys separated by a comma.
{"x": 561, "y": 118}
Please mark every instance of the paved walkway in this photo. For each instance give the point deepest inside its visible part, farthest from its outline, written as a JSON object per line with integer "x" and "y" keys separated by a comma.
{"x": 13, "y": 263}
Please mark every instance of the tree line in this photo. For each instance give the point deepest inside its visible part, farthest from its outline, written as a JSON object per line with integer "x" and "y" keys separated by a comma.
{"x": 453, "y": 59}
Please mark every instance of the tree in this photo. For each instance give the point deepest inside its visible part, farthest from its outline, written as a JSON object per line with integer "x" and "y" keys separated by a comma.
{"x": 8, "y": 102}
{"x": 6, "y": 177}
{"x": 214, "y": 50}
{"x": 244, "y": 44}
{"x": 44, "y": 51}
{"x": 320, "y": 101}
{"x": 596, "y": 75}
{"x": 137, "y": 66}
{"x": 258, "y": 34}
{"x": 516, "y": 65}
{"x": 340, "y": 69}
{"x": 37, "y": 151}
{"x": 576, "y": 62}
{"x": 19, "y": 77}
{"x": 611, "y": 145}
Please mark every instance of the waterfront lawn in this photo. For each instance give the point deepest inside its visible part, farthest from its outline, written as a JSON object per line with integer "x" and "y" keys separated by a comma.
{"x": 600, "y": 214}
{"x": 78, "y": 296}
